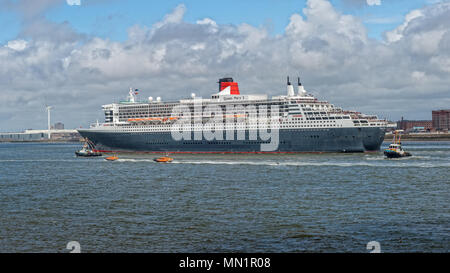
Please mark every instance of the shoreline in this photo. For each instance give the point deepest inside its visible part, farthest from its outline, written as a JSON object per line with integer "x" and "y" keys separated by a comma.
{"x": 45, "y": 141}
{"x": 421, "y": 137}
{"x": 418, "y": 140}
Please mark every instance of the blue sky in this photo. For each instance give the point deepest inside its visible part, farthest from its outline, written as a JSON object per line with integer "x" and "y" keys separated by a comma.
{"x": 111, "y": 19}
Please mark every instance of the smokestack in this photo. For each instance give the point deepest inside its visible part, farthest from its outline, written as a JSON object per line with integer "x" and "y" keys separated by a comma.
{"x": 301, "y": 89}
{"x": 229, "y": 82}
{"x": 290, "y": 88}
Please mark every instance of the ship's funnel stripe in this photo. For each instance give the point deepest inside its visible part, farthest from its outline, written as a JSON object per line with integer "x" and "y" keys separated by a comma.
{"x": 234, "y": 87}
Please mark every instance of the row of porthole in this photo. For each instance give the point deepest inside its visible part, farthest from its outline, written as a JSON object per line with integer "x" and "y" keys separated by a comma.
{"x": 237, "y": 127}
{"x": 159, "y": 131}
{"x": 299, "y": 129}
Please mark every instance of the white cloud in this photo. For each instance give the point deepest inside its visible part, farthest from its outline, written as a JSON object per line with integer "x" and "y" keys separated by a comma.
{"x": 397, "y": 34}
{"x": 373, "y": 2}
{"x": 73, "y": 2}
{"x": 199, "y": 46}
{"x": 418, "y": 75}
{"x": 207, "y": 21}
{"x": 17, "y": 45}
{"x": 213, "y": 27}
{"x": 426, "y": 43}
{"x": 173, "y": 18}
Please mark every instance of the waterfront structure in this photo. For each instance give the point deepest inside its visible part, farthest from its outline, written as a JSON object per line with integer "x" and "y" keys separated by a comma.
{"x": 410, "y": 125}
{"x": 58, "y": 126}
{"x": 40, "y": 135}
{"x": 23, "y": 137}
{"x": 441, "y": 120}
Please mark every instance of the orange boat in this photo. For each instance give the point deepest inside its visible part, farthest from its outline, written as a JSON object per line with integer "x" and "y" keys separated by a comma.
{"x": 112, "y": 158}
{"x": 164, "y": 159}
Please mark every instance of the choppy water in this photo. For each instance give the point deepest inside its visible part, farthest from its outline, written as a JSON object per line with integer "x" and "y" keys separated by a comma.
{"x": 224, "y": 203}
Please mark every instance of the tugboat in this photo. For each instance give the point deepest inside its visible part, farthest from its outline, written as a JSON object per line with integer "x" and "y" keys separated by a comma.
{"x": 395, "y": 149}
{"x": 87, "y": 150}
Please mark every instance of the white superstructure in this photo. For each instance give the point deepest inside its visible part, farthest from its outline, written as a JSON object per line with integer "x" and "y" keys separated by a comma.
{"x": 296, "y": 111}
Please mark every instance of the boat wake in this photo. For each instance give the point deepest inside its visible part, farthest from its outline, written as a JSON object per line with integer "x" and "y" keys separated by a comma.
{"x": 414, "y": 157}
{"x": 369, "y": 162}
{"x": 39, "y": 160}
{"x": 316, "y": 164}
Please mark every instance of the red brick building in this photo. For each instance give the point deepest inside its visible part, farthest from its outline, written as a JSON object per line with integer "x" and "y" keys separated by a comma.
{"x": 408, "y": 125}
{"x": 441, "y": 120}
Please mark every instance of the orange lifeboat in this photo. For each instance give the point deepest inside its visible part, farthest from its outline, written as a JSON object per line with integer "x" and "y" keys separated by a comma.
{"x": 164, "y": 159}
{"x": 112, "y": 158}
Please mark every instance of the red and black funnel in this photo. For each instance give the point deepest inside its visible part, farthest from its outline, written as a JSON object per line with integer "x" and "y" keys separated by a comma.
{"x": 228, "y": 82}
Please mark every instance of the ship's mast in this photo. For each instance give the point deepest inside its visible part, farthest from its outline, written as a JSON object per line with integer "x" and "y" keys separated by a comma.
{"x": 131, "y": 96}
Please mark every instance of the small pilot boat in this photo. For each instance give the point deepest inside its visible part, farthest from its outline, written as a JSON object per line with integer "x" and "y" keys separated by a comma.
{"x": 395, "y": 150}
{"x": 87, "y": 151}
{"x": 164, "y": 159}
{"x": 112, "y": 158}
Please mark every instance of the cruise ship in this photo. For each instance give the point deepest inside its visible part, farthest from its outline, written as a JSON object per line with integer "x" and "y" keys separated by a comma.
{"x": 231, "y": 122}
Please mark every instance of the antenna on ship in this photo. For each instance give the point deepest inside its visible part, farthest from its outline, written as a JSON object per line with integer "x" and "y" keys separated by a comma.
{"x": 132, "y": 95}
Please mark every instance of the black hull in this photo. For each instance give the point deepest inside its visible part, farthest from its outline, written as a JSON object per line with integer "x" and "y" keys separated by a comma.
{"x": 396, "y": 155}
{"x": 290, "y": 141}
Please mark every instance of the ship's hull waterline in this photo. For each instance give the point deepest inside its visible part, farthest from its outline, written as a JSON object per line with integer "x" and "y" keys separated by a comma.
{"x": 368, "y": 139}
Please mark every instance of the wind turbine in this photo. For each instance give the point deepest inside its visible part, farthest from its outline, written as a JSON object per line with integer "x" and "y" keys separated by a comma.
{"x": 49, "y": 108}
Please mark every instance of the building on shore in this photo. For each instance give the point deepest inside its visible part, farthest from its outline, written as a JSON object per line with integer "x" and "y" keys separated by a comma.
{"x": 441, "y": 120}
{"x": 414, "y": 125}
{"x": 41, "y": 135}
{"x": 58, "y": 126}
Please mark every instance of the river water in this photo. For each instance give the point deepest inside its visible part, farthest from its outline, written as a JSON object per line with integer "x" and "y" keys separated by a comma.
{"x": 224, "y": 203}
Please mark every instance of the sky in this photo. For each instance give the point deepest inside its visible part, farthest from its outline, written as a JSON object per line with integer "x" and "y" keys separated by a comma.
{"x": 384, "y": 57}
